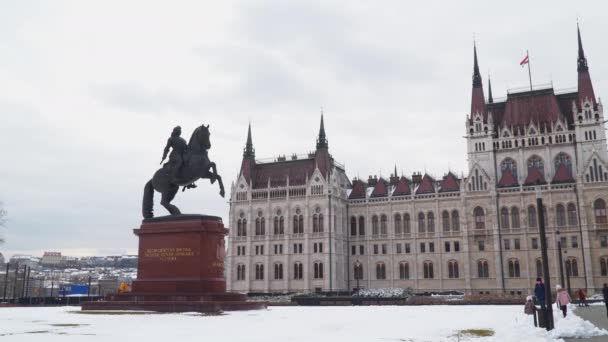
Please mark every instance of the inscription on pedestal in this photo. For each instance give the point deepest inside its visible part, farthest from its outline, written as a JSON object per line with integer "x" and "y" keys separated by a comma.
{"x": 168, "y": 254}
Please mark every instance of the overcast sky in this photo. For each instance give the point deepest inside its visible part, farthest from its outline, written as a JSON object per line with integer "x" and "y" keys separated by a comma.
{"x": 90, "y": 90}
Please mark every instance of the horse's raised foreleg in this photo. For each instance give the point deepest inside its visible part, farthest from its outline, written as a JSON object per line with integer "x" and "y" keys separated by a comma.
{"x": 213, "y": 176}
{"x": 166, "y": 199}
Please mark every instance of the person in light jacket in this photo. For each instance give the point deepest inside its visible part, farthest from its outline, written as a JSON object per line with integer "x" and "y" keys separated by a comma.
{"x": 562, "y": 299}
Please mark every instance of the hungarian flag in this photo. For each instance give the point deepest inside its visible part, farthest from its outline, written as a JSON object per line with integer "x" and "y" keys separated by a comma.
{"x": 524, "y": 61}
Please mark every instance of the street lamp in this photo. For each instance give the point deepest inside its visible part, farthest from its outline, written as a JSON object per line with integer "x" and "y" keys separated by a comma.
{"x": 568, "y": 273}
{"x": 561, "y": 261}
{"x": 357, "y": 273}
{"x": 543, "y": 248}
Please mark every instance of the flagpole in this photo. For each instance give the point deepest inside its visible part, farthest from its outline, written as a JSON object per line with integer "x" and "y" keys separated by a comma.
{"x": 529, "y": 73}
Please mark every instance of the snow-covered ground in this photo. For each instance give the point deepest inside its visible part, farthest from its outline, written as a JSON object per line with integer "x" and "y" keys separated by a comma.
{"x": 317, "y": 324}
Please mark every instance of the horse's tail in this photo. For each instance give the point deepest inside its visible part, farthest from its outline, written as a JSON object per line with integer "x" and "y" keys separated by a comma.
{"x": 148, "y": 201}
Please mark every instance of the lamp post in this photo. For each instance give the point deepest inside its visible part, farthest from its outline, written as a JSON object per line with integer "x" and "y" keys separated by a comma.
{"x": 568, "y": 273}
{"x": 545, "y": 257}
{"x": 357, "y": 273}
{"x": 561, "y": 261}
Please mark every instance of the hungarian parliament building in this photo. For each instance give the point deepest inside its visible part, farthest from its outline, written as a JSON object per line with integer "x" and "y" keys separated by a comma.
{"x": 299, "y": 224}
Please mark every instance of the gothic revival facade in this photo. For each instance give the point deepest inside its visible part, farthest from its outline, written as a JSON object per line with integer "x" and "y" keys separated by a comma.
{"x": 302, "y": 225}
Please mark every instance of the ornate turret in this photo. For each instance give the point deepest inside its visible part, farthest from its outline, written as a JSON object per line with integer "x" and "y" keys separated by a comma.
{"x": 249, "y": 152}
{"x": 248, "y": 164}
{"x": 478, "y": 104}
{"x": 585, "y": 88}
{"x": 322, "y": 139}
{"x": 490, "y": 98}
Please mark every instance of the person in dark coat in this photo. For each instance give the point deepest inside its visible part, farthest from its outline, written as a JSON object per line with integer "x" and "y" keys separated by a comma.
{"x": 539, "y": 293}
{"x": 605, "y": 293}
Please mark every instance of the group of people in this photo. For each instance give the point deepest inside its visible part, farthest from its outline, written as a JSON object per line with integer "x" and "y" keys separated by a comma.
{"x": 562, "y": 298}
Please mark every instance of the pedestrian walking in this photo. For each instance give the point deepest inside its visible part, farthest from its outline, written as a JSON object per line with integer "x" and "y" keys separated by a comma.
{"x": 530, "y": 308}
{"x": 562, "y": 299}
{"x": 539, "y": 293}
{"x": 582, "y": 298}
{"x": 605, "y": 293}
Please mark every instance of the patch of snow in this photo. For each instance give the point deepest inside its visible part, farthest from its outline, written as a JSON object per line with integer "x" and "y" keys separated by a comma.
{"x": 573, "y": 326}
{"x": 384, "y": 293}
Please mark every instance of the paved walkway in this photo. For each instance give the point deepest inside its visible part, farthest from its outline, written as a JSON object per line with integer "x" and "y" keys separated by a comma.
{"x": 595, "y": 314}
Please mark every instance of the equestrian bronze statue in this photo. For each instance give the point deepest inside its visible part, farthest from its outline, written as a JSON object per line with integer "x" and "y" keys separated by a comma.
{"x": 187, "y": 163}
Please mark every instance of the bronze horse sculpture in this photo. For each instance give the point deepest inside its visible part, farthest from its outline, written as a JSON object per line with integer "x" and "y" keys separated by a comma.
{"x": 196, "y": 165}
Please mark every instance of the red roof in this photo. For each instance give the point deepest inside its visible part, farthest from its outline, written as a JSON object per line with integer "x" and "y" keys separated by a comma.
{"x": 562, "y": 175}
{"x": 449, "y": 183}
{"x": 585, "y": 88}
{"x": 536, "y": 106}
{"x": 534, "y": 177}
{"x": 277, "y": 173}
{"x": 402, "y": 188}
{"x": 507, "y": 180}
{"x": 478, "y": 103}
{"x": 380, "y": 190}
{"x": 358, "y": 190}
{"x": 426, "y": 185}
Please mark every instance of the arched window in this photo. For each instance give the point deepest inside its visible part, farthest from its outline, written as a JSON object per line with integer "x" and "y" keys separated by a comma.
{"x": 358, "y": 271}
{"x": 241, "y": 226}
{"x": 537, "y": 163}
{"x": 532, "y": 217}
{"x": 504, "y": 218}
{"x": 318, "y": 270}
{"x": 406, "y": 224}
{"x": 375, "y": 229}
{"x": 259, "y": 272}
{"x": 321, "y": 225}
{"x": 398, "y": 229}
{"x": 428, "y": 270}
{"x": 572, "y": 218}
{"x": 298, "y": 271}
{"x": 361, "y": 225}
{"x": 572, "y": 267}
{"x": 453, "y": 269}
{"x": 278, "y": 271}
{"x": 509, "y": 164}
{"x": 480, "y": 219}
{"x": 430, "y": 219}
{"x": 404, "y": 270}
{"x": 240, "y": 272}
{"x": 276, "y": 225}
{"x": 353, "y": 226}
{"x": 514, "y": 268}
{"x": 445, "y": 221}
{"x": 260, "y": 224}
{"x": 515, "y": 217}
{"x": 539, "y": 268}
{"x": 279, "y": 224}
{"x": 483, "y": 270}
{"x": 560, "y": 215}
{"x": 599, "y": 211}
{"x": 383, "y": 225}
{"x": 455, "y": 220}
{"x": 380, "y": 271}
{"x": 421, "y": 225}
{"x": 604, "y": 266}
{"x": 563, "y": 159}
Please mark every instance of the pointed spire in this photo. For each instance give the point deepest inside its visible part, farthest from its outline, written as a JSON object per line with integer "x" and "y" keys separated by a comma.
{"x": 582, "y": 61}
{"x": 490, "y": 99}
{"x": 395, "y": 174}
{"x": 322, "y": 139}
{"x": 476, "y": 75}
{"x": 585, "y": 87}
{"x": 478, "y": 101}
{"x": 249, "y": 151}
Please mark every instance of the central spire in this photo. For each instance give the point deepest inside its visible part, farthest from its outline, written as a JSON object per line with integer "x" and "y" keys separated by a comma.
{"x": 582, "y": 60}
{"x": 249, "y": 151}
{"x": 476, "y": 74}
{"x": 322, "y": 139}
{"x": 490, "y": 99}
{"x": 478, "y": 101}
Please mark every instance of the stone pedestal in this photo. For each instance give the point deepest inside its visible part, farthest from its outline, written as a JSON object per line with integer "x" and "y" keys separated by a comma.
{"x": 180, "y": 269}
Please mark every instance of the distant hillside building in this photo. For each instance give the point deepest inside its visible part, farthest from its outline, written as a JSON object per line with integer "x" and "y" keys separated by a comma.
{"x": 299, "y": 224}
{"x": 23, "y": 259}
{"x": 51, "y": 259}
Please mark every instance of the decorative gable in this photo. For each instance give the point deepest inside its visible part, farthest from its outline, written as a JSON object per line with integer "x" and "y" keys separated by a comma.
{"x": 534, "y": 177}
{"x": 381, "y": 189}
{"x": 358, "y": 191}
{"x": 449, "y": 183}
{"x": 508, "y": 179}
{"x": 426, "y": 185}
{"x": 402, "y": 188}
{"x": 562, "y": 175}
